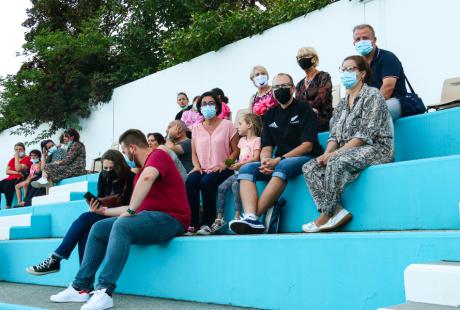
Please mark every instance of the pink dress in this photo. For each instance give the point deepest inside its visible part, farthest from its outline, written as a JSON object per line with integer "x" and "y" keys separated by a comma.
{"x": 213, "y": 150}
{"x": 191, "y": 118}
{"x": 225, "y": 114}
{"x": 261, "y": 104}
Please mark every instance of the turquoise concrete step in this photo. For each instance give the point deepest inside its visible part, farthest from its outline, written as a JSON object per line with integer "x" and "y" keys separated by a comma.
{"x": 17, "y": 307}
{"x": 61, "y": 215}
{"x": 291, "y": 271}
{"x": 40, "y": 227}
{"x": 428, "y": 135}
{"x": 423, "y": 136}
{"x": 93, "y": 177}
{"x": 419, "y": 194}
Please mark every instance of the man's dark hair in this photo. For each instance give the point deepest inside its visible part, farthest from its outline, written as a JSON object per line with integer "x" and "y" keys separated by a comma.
{"x": 216, "y": 99}
{"x": 133, "y": 136}
{"x": 362, "y": 26}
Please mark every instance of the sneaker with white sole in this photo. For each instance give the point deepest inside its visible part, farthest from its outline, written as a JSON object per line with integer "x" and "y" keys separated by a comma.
{"x": 49, "y": 265}
{"x": 99, "y": 300}
{"x": 70, "y": 295}
{"x": 205, "y": 230}
{"x": 246, "y": 226}
{"x": 217, "y": 226}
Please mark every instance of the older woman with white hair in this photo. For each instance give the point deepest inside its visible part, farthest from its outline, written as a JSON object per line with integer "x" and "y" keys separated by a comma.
{"x": 263, "y": 99}
{"x": 315, "y": 88}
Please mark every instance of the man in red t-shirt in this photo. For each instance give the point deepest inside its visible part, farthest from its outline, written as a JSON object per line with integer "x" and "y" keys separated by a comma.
{"x": 16, "y": 168}
{"x": 158, "y": 211}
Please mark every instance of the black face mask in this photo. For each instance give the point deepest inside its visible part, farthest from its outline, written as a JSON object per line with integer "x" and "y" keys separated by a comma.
{"x": 109, "y": 174}
{"x": 305, "y": 63}
{"x": 283, "y": 95}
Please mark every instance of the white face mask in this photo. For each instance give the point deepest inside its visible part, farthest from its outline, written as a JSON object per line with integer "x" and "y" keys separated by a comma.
{"x": 261, "y": 80}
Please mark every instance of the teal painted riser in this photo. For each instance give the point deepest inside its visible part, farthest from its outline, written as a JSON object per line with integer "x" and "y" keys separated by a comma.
{"x": 422, "y": 194}
{"x": 40, "y": 228}
{"x": 323, "y": 271}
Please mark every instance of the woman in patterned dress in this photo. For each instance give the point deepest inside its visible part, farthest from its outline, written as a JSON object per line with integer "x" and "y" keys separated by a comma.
{"x": 361, "y": 136}
{"x": 315, "y": 88}
{"x": 72, "y": 165}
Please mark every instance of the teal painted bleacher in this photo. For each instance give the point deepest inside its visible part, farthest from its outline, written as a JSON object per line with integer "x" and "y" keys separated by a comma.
{"x": 404, "y": 212}
{"x": 40, "y": 228}
{"x": 322, "y": 271}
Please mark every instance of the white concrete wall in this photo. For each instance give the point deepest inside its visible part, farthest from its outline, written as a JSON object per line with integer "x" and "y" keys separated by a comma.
{"x": 422, "y": 33}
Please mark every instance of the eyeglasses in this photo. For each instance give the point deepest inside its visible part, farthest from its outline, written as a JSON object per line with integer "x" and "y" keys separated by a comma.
{"x": 347, "y": 69}
{"x": 286, "y": 85}
{"x": 304, "y": 56}
{"x": 203, "y": 104}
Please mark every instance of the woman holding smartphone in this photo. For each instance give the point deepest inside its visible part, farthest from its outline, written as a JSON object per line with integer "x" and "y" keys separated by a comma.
{"x": 115, "y": 184}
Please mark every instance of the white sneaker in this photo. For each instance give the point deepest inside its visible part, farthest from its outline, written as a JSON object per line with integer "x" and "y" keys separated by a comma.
{"x": 339, "y": 219}
{"x": 70, "y": 295}
{"x": 99, "y": 301}
{"x": 42, "y": 182}
{"x": 204, "y": 231}
{"x": 310, "y": 228}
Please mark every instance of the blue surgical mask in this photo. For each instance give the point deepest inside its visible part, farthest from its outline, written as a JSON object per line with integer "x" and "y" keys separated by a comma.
{"x": 348, "y": 79}
{"x": 52, "y": 149}
{"x": 35, "y": 160}
{"x": 130, "y": 162}
{"x": 364, "y": 47}
{"x": 261, "y": 80}
{"x": 208, "y": 111}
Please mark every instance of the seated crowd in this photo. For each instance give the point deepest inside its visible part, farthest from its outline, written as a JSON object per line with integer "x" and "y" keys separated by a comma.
{"x": 157, "y": 190}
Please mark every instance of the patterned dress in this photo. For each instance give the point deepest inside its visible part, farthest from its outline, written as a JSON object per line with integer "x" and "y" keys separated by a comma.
{"x": 369, "y": 120}
{"x": 260, "y": 104}
{"x": 318, "y": 94}
{"x": 72, "y": 165}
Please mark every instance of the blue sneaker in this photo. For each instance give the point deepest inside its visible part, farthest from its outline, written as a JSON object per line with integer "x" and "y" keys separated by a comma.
{"x": 246, "y": 226}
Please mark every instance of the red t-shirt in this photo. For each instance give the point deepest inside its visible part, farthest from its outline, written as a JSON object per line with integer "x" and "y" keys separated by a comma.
{"x": 168, "y": 193}
{"x": 25, "y": 161}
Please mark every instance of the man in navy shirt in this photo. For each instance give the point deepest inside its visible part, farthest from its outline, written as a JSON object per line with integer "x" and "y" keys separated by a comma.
{"x": 290, "y": 132}
{"x": 387, "y": 70}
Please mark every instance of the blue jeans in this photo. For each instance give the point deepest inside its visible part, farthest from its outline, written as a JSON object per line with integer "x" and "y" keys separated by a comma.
{"x": 286, "y": 169}
{"x": 113, "y": 237}
{"x": 207, "y": 184}
{"x": 394, "y": 106}
{"x": 230, "y": 184}
{"x": 78, "y": 233}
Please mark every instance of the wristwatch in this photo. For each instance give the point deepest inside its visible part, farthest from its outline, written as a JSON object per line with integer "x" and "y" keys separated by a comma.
{"x": 131, "y": 212}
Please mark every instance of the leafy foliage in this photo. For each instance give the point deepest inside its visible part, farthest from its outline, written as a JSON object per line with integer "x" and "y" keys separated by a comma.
{"x": 79, "y": 50}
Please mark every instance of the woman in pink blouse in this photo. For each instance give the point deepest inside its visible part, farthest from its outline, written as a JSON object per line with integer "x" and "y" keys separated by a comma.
{"x": 213, "y": 142}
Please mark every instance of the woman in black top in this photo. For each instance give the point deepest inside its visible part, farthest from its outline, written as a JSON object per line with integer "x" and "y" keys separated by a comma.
{"x": 116, "y": 182}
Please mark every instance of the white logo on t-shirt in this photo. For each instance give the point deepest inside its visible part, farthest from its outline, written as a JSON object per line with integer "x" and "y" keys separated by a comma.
{"x": 273, "y": 125}
{"x": 294, "y": 118}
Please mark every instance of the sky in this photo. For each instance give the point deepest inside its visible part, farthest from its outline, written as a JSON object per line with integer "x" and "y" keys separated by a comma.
{"x": 12, "y": 14}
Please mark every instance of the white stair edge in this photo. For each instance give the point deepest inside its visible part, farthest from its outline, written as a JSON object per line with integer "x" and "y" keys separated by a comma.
{"x": 73, "y": 187}
{"x": 4, "y": 233}
{"x": 15, "y": 220}
{"x": 436, "y": 283}
{"x": 50, "y": 199}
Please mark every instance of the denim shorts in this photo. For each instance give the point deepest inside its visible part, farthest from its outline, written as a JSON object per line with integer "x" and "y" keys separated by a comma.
{"x": 286, "y": 169}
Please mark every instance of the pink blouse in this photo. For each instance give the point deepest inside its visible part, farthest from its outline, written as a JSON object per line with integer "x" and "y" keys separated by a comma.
{"x": 191, "y": 118}
{"x": 225, "y": 114}
{"x": 213, "y": 150}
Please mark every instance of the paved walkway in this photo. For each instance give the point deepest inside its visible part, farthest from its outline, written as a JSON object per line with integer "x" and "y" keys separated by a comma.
{"x": 38, "y": 296}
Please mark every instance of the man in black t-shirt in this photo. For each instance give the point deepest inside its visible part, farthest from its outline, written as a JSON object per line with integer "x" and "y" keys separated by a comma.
{"x": 291, "y": 130}
{"x": 178, "y": 141}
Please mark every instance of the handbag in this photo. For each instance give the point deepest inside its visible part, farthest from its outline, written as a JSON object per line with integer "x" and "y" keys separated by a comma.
{"x": 112, "y": 201}
{"x": 411, "y": 103}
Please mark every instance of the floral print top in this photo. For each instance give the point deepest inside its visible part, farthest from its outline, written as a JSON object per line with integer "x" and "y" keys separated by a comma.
{"x": 260, "y": 104}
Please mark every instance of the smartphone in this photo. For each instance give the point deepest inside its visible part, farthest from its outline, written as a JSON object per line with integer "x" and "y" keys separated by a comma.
{"x": 88, "y": 197}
